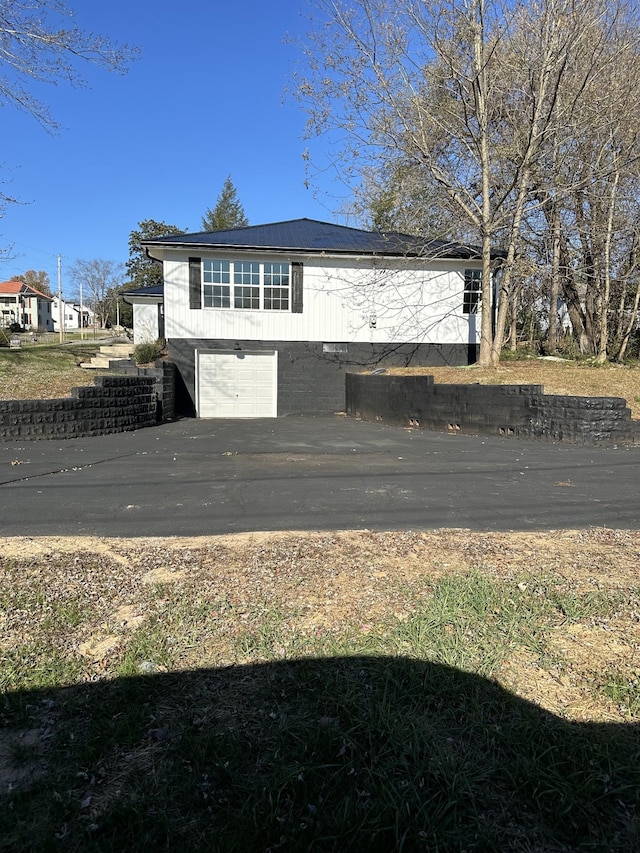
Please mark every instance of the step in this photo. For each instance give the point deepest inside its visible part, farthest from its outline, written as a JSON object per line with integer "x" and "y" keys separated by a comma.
{"x": 117, "y": 350}
{"x": 96, "y": 363}
{"x": 107, "y": 354}
{"x": 102, "y": 362}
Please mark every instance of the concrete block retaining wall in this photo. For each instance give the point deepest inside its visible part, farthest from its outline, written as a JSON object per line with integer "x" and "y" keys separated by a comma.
{"x": 115, "y": 403}
{"x": 164, "y": 377}
{"x": 523, "y": 411}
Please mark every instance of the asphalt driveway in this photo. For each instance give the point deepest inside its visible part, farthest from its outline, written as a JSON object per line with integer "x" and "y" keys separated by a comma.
{"x": 203, "y": 477}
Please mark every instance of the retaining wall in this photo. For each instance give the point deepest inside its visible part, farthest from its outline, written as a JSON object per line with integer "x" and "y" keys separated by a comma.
{"x": 164, "y": 378}
{"x": 112, "y": 404}
{"x": 522, "y": 411}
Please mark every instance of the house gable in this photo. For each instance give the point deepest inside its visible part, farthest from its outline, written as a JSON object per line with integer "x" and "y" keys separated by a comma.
{"x": 23, "y": 304}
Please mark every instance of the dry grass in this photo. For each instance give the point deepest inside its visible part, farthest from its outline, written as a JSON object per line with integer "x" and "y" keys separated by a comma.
{"x": 323, "y": 585}
{"x": 328, "y": 691}
{"x": 557, "y": 377}
{"x": 44, "y": 372}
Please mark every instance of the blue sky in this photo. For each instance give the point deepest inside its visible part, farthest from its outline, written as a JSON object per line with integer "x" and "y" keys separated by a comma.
{"x": 205, "y": 99}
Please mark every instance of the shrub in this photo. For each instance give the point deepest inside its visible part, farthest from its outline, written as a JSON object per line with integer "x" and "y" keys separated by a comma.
{"x": 15, "y": 328}
{"x": 147, "y": 352}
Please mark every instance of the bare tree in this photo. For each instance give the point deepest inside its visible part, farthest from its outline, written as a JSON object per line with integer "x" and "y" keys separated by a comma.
{"x": 40, "y": 43}
{"x": 38, "y": 279}
{"x": 100, "y": 280}
{"x": 471, "y": 94}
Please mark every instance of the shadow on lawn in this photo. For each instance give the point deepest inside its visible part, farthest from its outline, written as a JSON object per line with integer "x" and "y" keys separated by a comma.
{"x": 343, "y": 754}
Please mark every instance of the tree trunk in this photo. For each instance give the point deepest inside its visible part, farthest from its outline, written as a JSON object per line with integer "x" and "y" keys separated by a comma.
{"x": 606, "y": 294}
{"x": 554, "y": 290}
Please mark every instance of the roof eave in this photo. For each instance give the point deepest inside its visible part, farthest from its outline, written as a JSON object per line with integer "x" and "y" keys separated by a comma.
{"x": 306, "y": 250}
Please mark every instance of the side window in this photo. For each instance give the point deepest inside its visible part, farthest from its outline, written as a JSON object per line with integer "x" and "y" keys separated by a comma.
{"x": 472, "y": 291}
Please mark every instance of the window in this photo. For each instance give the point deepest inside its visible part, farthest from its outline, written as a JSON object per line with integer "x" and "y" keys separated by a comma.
{"x": 217, "y": 277}
{"x": 246, "y": 281}
{"x": 251, "y": 285}
{"x": 472, "y": 291}
{"x": 276, "y": 287}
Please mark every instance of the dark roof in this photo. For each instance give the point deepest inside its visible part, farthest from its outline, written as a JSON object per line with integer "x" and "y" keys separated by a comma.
{"x": 310, "y": 235}
{"x": 153, "y": 290}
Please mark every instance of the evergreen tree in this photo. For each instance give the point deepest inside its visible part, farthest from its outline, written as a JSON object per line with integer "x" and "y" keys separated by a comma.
{"x": 142, "y": 270}
{"x": 228, "y": 212}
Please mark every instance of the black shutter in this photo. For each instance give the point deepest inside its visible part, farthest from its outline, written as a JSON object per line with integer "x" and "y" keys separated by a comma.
{"x": 195, "y": 283}
{"x": 296, "y": 287}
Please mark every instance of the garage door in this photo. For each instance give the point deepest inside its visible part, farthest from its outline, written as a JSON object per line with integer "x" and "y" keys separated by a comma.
{"x": 237, "y": 385}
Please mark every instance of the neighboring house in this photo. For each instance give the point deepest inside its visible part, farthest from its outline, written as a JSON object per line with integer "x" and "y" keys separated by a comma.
{"x": 265, "y": 320}
{"x": 148, "y": 313}
{"x": 23, "y": 304}
{"x": 74, "y": 316}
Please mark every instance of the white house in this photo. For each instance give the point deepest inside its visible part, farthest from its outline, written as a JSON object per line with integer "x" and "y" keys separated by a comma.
{"x": 20, "y": 303}
{"x": 72, "y": 315}
{"x": 265, "y": 320}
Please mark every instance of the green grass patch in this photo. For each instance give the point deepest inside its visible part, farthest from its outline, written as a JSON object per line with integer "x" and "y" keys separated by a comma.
{"x": 47, "y": 356}
{"x": 37, "y": 664}
{"x": 624, "y": 690}
{"x": 150, "y": 644}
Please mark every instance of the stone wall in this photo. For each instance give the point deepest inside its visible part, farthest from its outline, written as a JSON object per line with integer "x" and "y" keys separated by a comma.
{"x": 522, "y": 411}
{"x": 112, "y": 404}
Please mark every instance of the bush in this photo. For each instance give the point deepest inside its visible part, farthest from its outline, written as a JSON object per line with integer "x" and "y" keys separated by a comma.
{"x": 15, "y": 328}
{"x": 147, "y": 352}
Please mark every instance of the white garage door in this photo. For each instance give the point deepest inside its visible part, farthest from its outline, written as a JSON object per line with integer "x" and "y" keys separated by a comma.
{"x": 237, "y": 385}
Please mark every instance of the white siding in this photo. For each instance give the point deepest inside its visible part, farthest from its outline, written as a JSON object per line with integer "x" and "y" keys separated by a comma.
{"x": 145, "y": 322}
{"x": 345, "y": 300}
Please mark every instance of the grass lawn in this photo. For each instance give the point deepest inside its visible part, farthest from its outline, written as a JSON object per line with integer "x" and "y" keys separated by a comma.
{"x": 347, "y": 691}
{"x": 442, "y": 691}
{"x": 44, "y": 372}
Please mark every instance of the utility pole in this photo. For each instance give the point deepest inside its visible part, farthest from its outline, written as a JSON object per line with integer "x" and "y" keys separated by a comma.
{"x": 81, "y": 314}
{"x": 60, "y": 310}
